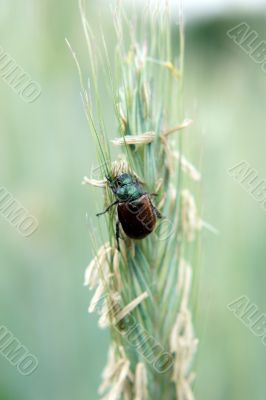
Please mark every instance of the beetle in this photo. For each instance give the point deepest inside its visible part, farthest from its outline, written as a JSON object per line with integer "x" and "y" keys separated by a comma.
{"x": 135, "y": 210}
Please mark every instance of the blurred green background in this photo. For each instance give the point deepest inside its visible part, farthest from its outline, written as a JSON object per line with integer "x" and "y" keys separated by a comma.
{"x": 45, "y": 149}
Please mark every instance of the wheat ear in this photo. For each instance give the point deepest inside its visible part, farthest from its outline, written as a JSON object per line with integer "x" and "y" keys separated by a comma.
{"x": 142, "y": 293}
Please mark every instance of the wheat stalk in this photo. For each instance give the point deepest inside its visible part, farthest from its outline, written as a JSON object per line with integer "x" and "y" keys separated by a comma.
{"x": 142, "y": 293}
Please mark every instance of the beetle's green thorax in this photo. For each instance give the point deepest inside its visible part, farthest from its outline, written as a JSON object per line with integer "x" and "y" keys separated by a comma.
{"x": 126, "y": 188}
{"x": 129, "y": 192}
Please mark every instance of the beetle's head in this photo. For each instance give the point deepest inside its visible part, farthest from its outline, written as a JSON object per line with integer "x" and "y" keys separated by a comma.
{"x": 120, "y": 181}
{"x": 125, "y": 187}
{"x": 124, "y": 179}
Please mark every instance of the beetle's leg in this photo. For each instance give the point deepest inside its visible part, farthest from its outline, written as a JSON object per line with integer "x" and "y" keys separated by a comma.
{"x": 117, "y": 234}
{"x": 108, "y": 208}
{"x": 156, "y": 211}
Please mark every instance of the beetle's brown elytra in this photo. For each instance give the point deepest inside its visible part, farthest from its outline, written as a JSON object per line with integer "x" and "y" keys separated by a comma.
{"x": 135, "y": 210}
{"x": 137, "y": 218}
